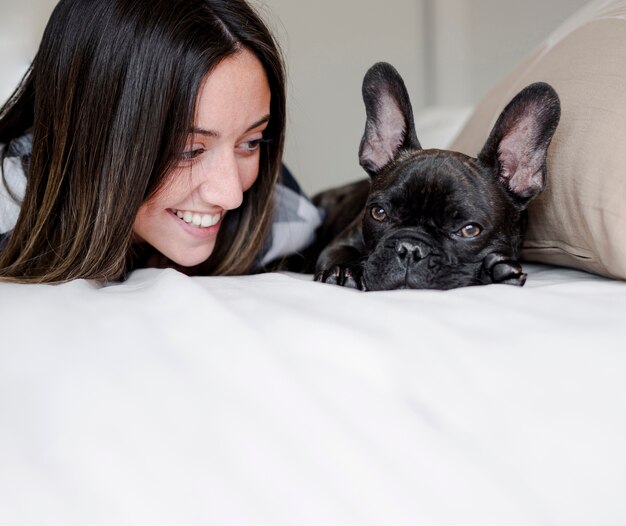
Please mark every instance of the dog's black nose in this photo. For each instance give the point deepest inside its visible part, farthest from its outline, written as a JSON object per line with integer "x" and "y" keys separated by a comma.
{"x": 410, "y": 250}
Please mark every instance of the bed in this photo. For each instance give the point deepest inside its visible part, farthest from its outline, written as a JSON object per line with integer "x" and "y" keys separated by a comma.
{"x": 274, "y": 399}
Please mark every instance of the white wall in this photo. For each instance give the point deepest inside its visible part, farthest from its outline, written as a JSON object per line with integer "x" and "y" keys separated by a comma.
{"x": 21, "y": 26}
{"x": 473, "y": 43}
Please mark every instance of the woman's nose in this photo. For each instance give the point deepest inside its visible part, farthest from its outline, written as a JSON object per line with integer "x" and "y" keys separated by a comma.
{"x": 220, "y": 181}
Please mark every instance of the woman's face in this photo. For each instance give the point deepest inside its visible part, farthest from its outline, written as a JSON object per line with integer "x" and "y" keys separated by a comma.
{"x": 219, "y": 163}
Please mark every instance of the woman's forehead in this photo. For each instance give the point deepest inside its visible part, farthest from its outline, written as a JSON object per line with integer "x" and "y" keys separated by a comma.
{"x": 235, "y": 94}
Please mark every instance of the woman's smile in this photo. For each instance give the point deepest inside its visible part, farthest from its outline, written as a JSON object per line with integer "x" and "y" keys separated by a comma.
{"x": 198, "y": 219}
{"x": 196, "y": 223}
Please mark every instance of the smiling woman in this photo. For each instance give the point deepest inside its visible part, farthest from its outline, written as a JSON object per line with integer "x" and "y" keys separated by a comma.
{"x": 150, "y": 133}
{"x": 219, "y": 163}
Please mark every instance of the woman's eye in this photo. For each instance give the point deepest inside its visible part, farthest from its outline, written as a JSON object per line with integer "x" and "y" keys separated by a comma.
{"x": 378, "y": 213}
{"x": 190, "y": 155}
{"x": 253, "y": 145}
{"x": 469, "y": 231}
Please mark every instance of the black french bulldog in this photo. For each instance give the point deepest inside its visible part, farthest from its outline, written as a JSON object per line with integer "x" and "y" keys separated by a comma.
{"x": 434, "y": 219}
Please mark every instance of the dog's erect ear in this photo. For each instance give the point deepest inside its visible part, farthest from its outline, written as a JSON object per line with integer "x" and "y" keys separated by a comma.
{"x": 389, "y": 127}
{"x": 518, "y": 144}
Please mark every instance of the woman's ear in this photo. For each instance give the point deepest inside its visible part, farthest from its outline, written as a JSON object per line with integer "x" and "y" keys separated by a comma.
{"x": 518, "y": 144}
{"x": 389, "y": 127}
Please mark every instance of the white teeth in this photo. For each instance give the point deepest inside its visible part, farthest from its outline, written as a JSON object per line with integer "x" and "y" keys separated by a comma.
{"x": 199, "y": 220}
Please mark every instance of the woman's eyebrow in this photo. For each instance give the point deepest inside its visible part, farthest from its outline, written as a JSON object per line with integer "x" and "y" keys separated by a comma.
{"x": 212, "y": 133}
{"x": 258, "y": 123}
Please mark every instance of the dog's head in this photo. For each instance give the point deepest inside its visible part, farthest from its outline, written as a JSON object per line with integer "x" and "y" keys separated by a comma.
{"x": 433, "y": 217}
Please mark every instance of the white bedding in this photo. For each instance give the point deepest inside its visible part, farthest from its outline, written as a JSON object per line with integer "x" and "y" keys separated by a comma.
{"x": 272, "y": 399}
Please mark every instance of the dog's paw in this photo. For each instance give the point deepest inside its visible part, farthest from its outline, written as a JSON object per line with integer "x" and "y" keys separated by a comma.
{"x": 342, "y": 275}
{"x": 500, "y": 269}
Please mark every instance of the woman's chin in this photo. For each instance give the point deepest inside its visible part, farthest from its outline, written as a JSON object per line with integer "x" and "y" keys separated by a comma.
{"x": 190, "y": 260}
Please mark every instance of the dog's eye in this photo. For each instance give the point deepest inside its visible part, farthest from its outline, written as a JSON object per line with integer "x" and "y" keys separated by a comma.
{"x": 378, "y": 213}
{"x": 469, "y": 231}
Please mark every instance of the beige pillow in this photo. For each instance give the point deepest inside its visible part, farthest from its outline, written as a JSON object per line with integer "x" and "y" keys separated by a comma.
{"x": 580, "y": 219}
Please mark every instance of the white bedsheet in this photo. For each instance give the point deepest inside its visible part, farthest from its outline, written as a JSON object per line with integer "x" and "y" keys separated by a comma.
{"x": 272, "y": 399}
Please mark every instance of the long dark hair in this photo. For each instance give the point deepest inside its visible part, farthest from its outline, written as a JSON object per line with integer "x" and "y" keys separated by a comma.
{"x": 110, "y": 98}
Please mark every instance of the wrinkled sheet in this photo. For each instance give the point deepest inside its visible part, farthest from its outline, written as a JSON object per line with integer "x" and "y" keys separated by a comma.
{"x": 272, "y": 399}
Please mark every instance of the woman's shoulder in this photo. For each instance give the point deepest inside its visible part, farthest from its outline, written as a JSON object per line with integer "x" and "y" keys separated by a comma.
{"x": 14, "y": 161}
{"x": 16, "y": 152}
{"x": 295, "y": 220}
{"x": 20, "y": 146}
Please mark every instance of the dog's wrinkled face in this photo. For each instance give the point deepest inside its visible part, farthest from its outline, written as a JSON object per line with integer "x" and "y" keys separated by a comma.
{"x": 430, "y": 221}
{"x": 437, "y": 218}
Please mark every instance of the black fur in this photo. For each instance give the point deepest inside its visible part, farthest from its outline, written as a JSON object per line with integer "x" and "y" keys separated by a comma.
{"x": 434, "y": 218}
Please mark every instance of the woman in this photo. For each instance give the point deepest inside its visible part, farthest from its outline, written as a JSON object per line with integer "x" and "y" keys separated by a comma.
{"x": 151, "y": 133}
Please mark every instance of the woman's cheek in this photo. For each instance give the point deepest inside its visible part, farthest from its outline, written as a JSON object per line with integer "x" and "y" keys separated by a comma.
{"x": 250, "y": 173}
